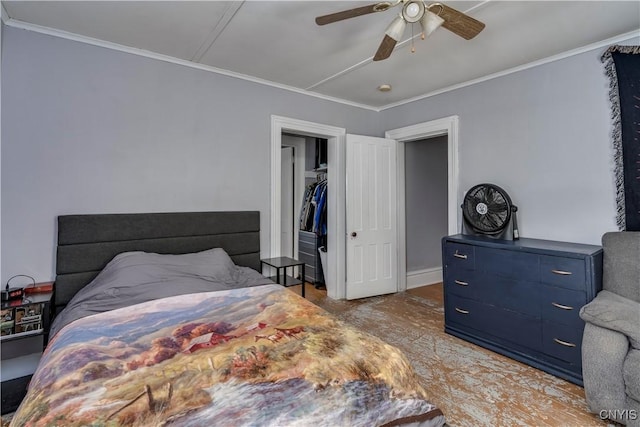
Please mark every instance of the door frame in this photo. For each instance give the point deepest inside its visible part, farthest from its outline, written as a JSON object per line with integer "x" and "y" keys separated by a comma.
{"x": 335, "y": 276}
{"x": 299, "y": 180}
{"x": 445, "y": 126}
{"x": 292, "y": 199}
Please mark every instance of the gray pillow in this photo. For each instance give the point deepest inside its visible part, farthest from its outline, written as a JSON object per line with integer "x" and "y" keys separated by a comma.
{"x": 136, "y": 277}
{"x": 144, "y": 267}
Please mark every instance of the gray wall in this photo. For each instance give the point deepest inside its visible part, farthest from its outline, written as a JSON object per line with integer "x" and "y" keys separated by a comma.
{"x": 426, "y": 201}
{"x": 542, "y": 134}
{"x": 89, "y": 130}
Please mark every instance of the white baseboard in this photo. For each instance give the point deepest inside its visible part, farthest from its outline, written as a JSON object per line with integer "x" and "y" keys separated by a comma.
{"x": 429, "y": 276}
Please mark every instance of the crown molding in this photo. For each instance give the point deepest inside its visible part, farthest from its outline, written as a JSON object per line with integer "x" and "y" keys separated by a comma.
{"x": 5, "y": 14}
{"x": 558, "y": 57}
{"x": 170, "y": 59}
{"x": 166, "y": 58}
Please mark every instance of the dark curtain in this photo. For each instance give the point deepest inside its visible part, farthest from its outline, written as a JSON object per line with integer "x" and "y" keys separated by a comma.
{"x": 623, "y": 69}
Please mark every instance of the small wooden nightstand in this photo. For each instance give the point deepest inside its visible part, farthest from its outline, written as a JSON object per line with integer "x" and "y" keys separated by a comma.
{"x": 25, "y": 333}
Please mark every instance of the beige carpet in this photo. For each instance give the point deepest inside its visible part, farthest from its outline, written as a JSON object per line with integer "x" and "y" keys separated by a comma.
{"x": 473, "y": 386}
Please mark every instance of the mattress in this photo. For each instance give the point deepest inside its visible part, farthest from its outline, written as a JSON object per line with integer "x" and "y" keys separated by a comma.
{"x": 226, "y": 349}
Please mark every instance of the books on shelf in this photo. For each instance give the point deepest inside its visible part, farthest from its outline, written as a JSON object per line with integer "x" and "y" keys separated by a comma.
{"x": 22, "y": 320}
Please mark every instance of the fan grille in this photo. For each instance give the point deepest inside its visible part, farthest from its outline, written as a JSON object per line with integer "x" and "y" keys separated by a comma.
{"x": 487, "y": 208}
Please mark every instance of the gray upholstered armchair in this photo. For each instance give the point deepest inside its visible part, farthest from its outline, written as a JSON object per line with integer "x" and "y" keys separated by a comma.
{"x": 611, "y": 342}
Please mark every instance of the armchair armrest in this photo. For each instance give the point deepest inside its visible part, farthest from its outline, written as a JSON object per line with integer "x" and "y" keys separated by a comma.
{"x": 614, "y": 312}
{"x": 603, "y": 355}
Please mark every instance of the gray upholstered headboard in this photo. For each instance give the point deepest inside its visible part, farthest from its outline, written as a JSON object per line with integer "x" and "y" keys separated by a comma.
{"x": 86, "y": 243}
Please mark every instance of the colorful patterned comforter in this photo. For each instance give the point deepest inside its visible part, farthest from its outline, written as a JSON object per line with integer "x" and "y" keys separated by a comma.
{"x": 260, "y": 356}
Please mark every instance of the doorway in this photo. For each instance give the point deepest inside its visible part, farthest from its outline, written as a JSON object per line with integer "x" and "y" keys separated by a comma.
{"x": 447, "y": 127}
{"x": 335, "y": 269}
{"x": 426, "y": 208}
{"x": 335, "y": 274}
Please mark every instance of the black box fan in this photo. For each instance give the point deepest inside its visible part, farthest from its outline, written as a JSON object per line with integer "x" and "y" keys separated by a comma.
{"x": 487, "y": 210}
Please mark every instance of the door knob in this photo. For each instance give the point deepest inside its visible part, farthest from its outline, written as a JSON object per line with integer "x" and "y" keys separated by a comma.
{"x": 354, "y": 234}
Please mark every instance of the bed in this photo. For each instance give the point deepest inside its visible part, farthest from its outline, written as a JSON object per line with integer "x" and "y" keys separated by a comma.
{"x": 162, "y": 319}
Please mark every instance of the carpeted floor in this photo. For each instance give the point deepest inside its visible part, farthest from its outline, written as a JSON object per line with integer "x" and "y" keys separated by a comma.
{"x": 473, "y": 386}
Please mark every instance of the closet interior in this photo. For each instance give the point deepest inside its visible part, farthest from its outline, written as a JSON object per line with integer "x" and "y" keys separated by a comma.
{"x": 312, "y": 235}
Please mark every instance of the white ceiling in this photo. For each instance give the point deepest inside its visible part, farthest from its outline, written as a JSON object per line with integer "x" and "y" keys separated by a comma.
{"x": 279, "y": 42}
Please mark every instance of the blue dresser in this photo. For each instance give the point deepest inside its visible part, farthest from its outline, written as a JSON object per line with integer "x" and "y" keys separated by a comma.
{"x": 521, "y": 298}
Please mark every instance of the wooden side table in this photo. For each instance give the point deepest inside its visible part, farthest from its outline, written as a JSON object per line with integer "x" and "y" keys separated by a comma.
{"x": 282, "y": 263}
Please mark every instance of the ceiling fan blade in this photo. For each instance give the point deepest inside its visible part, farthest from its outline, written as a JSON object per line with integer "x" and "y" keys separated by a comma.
{"x": 459, "y": 23}
{"x": 385, "y": 48}
{"x": 346, "y": 14}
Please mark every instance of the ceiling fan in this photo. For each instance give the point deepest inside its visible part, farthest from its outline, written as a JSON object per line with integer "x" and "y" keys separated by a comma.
{"x": 431, "y": 16}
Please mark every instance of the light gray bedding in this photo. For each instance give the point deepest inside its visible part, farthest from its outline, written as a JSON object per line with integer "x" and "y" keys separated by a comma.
{"x": 135, "y": 277}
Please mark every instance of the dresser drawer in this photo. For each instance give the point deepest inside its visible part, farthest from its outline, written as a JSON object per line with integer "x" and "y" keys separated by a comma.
{"x": 307, "y": 237}
{"x": 308, "y": 259}
{"x": 310, "y": 273}
{"x": 516, "y": 295}
{"x": 520, "y": 296}
{"x": 564, "y": 272}
{"x": 513, "y": 264}
{"x": 464, "y": 283}
{"x": 561, "y": 305}
{"x": 508, "y": 325}
{"x": 459, "y": 256}
{"x": 307, "y": 248}
{"x": 562, "y": 342}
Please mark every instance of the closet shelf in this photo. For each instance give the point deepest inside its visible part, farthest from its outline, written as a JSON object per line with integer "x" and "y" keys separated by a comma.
{"x": 313, "y": 174}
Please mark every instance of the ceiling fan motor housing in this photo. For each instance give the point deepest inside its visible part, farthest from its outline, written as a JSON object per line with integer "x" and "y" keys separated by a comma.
{"x": 487, "y": 210}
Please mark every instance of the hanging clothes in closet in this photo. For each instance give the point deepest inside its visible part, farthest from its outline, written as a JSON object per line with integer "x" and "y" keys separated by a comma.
{"x": 320, "y": 218}
{"x": 308, "y": 209}
{"x": 313, "y": 216}
{"x": 313, "y": 230}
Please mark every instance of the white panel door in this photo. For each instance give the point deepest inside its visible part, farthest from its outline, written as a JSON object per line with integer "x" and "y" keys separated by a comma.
{"x": 372, "y": 265}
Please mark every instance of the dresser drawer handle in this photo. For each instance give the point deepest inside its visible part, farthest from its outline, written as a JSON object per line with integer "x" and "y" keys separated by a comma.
{"x": 461, "y": 283}
{"x": 564, "y": 343}
{"x": 564, "y": 307}
{"x": 461, "y": 256}
{"x": 562, "y": 273}
{"x": 459, "y": 310}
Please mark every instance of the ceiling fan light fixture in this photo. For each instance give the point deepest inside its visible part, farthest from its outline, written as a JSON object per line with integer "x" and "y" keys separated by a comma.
{"x": 395, "y": 30}
{"x": 412, "y": 11}
{"x": 430, "y": 22}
